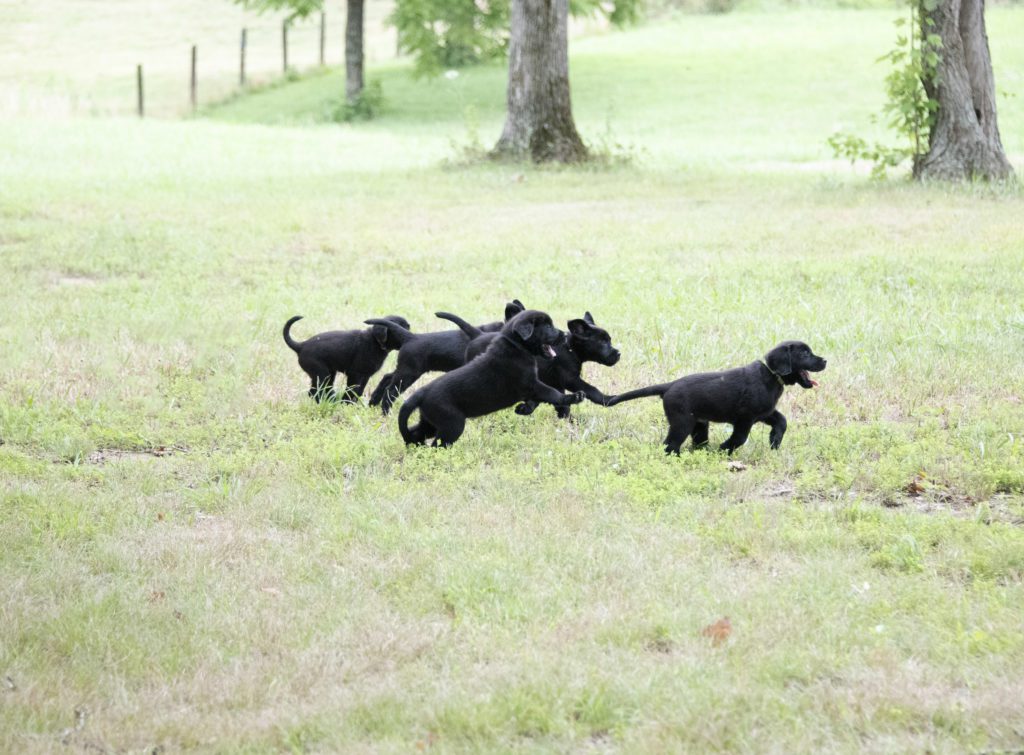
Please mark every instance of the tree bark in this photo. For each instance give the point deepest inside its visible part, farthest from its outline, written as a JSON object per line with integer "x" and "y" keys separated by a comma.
{"x": 539, "y": 124}
{"x": 964, "y": 140}
{"x": 354, "y": 50}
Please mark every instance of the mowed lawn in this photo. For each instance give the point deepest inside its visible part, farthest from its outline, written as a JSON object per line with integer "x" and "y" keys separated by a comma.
{"x": 196, "y": 557}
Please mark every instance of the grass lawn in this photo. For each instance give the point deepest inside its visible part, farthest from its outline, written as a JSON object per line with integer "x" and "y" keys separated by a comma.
{"x": 195, "y": 557}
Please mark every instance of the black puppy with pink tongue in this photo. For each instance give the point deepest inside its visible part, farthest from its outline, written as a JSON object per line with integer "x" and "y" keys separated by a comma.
{"x": 740, "y": 397}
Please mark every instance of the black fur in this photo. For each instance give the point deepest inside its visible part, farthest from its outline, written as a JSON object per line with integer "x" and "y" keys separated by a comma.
{"x": 356, "y": 353}
{"x": 426, "y": 352}
{"x": 585, "y": 343}
{"x": 504, "y": 375}
{"x": 740, "y": 397}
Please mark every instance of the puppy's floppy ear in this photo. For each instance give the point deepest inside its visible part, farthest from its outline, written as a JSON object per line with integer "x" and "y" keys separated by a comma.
{"x": 380, "y": 335}
{"x": 779, "y": 360}
{"x": 588, "y": 317}
{"x": 524, "y": 329}
{"x": 578, "y": 327}
{"x": 513, "y": 308}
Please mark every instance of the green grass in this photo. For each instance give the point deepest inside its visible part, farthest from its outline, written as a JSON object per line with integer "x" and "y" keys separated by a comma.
{"x": 200, "y": 559}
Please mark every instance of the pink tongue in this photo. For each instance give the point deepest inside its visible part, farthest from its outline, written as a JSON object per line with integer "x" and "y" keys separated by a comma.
{"x": 813, "y": 382}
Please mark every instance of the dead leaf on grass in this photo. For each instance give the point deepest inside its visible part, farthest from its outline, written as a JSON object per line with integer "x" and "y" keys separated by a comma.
{"x": 916, "y": 486}
{"x": 718, "y": 632}
{"x": 736, "y": 466}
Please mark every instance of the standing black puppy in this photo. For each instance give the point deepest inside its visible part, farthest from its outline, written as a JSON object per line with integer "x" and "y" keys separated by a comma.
{"x": 356, "y": 353}
{"x": 426, "y": 352}
{"x": 504, "y": 375}
{"x": 740, "y": 397}
{"x": 585, "y": 343}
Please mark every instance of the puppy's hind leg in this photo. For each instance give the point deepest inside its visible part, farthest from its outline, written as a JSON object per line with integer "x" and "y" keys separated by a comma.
{"x": 740, "y": 431}
{"x": 700, "y": 434}
{"x": 354, "y": 387}
{"x": 419, "y": 433}
{"x": 680, "y": 425}
{"x": 322, "y": 386}
{"x": 449, "y": 430}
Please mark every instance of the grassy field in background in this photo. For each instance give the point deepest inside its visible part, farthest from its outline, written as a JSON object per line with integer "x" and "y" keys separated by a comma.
{"x": 195, "y": 557}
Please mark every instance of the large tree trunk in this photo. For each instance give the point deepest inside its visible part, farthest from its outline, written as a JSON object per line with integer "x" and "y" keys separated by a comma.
{"x": 354, "y": 50}
{"x": 964, "y": 141}
{"x": 539, "y": 124}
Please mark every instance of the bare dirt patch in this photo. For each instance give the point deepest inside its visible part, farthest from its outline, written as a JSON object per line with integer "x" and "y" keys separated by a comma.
{"x": 107, "y": 455}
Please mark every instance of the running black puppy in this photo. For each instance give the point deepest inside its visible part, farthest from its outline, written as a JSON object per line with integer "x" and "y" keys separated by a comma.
{"x": 740, "y": 397}
{"x": 504, "y": 375}
{"x": 426, "y": 352}
{"x": 585, "y": 343}
{"x": 357, "y": 353}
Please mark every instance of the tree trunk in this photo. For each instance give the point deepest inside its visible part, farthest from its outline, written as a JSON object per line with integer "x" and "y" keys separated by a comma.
{"x": 354, "y": 50}
{"x": 964, "y": 140}
{"x": 539, "y": 124}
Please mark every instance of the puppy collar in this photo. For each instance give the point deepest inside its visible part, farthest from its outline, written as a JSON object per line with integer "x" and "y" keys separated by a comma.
{"x": 775, "y": 374}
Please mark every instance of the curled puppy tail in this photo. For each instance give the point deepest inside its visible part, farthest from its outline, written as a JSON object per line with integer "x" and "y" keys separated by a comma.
{"x": 470, "y": 330}
{"x": 651, "y": 390}
{"x": 402, "y": 335}
{"x": 292, "y": 343}
{"x": 408, "y": 407}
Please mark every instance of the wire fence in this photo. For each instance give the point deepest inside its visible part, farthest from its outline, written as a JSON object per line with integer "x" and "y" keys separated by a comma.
{"x": 173, "y": 61}
{"x": 261, "y": 54}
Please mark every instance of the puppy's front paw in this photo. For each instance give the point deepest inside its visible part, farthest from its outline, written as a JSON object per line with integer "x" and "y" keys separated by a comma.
{"x": 525, "y": 409}
{"x": 577, "y": 397}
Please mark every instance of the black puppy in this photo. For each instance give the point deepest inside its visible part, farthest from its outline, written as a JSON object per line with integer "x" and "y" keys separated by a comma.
{"x": 740, "y": 397}
{"x": 504, "y": 375}
{"x": 585, "y": 343}
{"x": 357, "y": 353}
{"x": 426, "y": 352}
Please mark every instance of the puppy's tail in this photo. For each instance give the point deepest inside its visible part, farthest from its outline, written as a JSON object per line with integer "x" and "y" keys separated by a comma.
{"x": 408, "y": 407}
{"x": 470, "y": 330}
{"x": 651, "y": 390}
{"x": 402, "y": 335}
{"x": 292, "y": 343}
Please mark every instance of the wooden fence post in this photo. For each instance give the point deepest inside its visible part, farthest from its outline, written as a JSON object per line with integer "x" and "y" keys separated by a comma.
{"x": 192, "y": 81}
{"x": 138, "y": 84}
{"x": 323, "y": 36}
{"x": 284, "y": 43}
{"x": 241, "y": 65}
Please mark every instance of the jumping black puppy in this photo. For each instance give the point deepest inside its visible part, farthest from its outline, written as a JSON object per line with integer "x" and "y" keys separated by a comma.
{"x": 426, "y": 352}
{"x": 504, "y": 375}
{"x": 356, "y": 353}
{"x": 585, "y": 343}
{"x": 740, "y": 397}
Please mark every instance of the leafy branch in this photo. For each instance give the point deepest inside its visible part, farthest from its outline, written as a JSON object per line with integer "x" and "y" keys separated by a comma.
{"x": 909, "y": 111}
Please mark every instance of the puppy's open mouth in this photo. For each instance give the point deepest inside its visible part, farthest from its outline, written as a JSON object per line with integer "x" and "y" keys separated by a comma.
{"x": 547, "y": 351}
{"x": 805, "y": 380}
